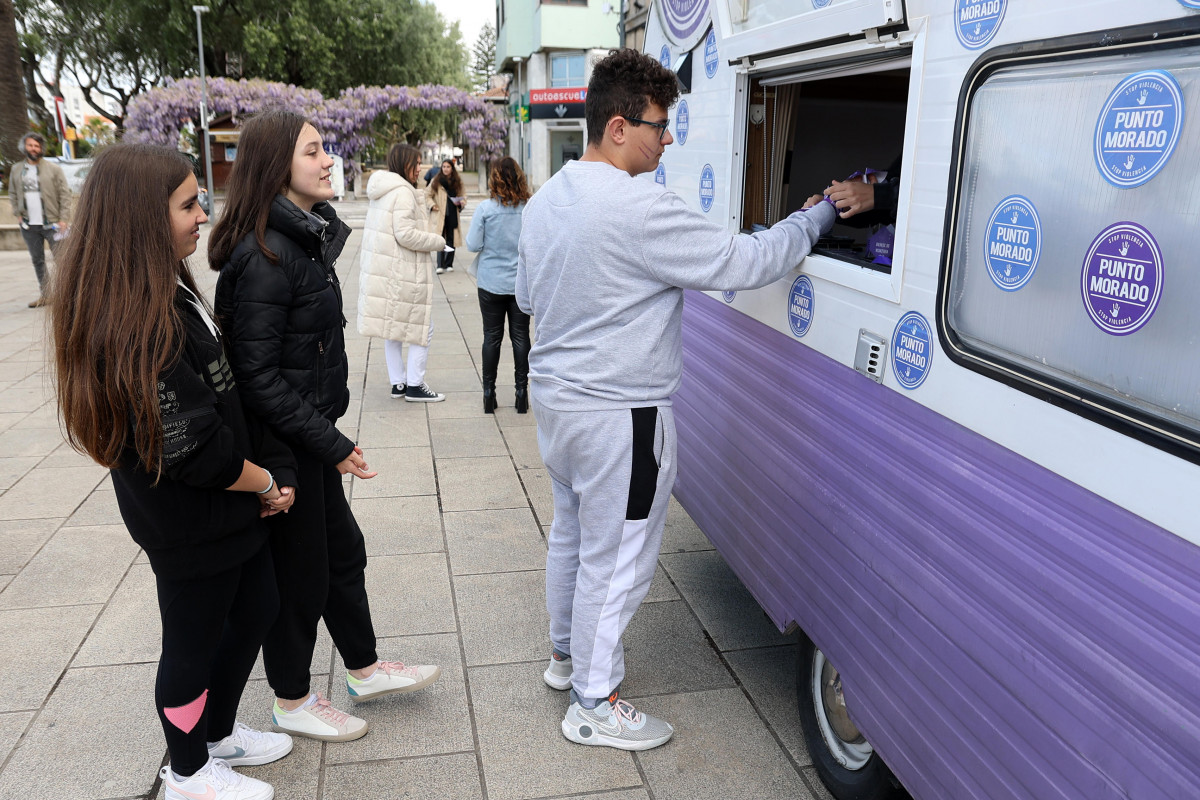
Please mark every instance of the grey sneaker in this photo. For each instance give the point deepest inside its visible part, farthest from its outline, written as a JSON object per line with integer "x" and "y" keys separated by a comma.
{"x": 246, "y": 747}
{"x": 558, "y": 674}
{"x": 614, "y": 723}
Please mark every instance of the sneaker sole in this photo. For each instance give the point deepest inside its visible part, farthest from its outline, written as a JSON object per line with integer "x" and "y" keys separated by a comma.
{"x": 555, "y": 682}
{"x": 425, "y": 399}
{"x": 603, "y": 740}
{"x": 324, "y": 737}
{"x": 402, "y": 690}
{"x": 256, "y": 761}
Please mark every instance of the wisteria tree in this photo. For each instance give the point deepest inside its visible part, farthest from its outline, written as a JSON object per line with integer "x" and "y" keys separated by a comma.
{"x": 348, "y": 122}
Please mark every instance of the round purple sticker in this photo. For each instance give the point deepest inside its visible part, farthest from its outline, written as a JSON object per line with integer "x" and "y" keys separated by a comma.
{"x": 728, "y": 296}
{"x": 1122, "y": 278}
{"x": 684, "y": 21}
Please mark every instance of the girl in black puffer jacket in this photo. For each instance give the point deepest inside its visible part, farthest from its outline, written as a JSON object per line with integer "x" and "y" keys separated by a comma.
{"x": 280, "y": 301}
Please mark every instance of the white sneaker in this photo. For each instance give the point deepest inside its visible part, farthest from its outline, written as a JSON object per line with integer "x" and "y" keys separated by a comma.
{"x": 319, "y": 720}
{"x": 246, "y": 747}
{"x": 439, "y": 271}
{"x": 392, "y": 677}
{"x": 216, "y": 780}
{"x": 558, "y": 674}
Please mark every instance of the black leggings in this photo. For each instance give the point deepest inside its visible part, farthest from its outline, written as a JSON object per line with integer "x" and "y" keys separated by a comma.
{"x": 495, "y": 307}
{"x": 211, "y": 630}
{"x": 320, "y": 560}
{"x": 446, "y": 260}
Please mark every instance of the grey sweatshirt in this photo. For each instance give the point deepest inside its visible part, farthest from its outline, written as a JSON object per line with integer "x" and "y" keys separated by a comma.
{"x": 602, "y": 263}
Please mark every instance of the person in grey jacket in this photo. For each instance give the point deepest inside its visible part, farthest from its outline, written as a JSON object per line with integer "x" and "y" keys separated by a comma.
{"x": 41, "y": 202}
{"x": 604, "y": 258}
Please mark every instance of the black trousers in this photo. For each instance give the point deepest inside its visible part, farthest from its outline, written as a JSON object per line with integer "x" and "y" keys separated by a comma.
{"x": 495, "y": 307}
{"x": 211, "y": 630}
{"x": 446, "y": 260}
{"x": 36, "y": 238}
{"x": 320, "y": 558}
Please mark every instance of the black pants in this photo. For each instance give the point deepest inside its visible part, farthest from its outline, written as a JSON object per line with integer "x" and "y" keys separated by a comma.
{"x": 211, "y": 631}
{"x": 495, "y": 307}
{"x": 446, "y": 260}
{"x": 320, "y": 557}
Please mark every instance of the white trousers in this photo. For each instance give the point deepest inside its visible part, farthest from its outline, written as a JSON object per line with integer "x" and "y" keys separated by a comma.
{"x": 418, "y": 356}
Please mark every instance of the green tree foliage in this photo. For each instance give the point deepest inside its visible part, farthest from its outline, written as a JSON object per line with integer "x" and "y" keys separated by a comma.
{"x": 483, "y": 58}
{"x": 123, "y": 47}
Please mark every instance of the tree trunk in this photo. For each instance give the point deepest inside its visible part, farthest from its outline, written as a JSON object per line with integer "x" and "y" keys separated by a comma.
{"x": 12, "y": 98}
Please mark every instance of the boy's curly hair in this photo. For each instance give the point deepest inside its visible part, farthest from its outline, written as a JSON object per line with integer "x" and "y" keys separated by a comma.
{"x": 623, "y": 84}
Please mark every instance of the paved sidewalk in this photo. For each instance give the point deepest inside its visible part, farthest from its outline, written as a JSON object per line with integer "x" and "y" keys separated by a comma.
{"x": 455, "y": 525}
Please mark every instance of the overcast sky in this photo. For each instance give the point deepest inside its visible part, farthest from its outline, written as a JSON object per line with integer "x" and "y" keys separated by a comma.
{"x": 471, "y": 14}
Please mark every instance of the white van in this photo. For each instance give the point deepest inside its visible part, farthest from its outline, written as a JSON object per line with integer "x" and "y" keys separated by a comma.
{"x": 970, "y": 476}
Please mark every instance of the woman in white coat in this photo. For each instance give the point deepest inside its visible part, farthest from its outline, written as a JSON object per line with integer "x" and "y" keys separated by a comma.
{"x": 395, "y": 288}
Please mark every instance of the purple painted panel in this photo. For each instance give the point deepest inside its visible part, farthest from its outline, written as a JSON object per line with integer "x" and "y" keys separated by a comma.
{"x": 1001, "y": 631}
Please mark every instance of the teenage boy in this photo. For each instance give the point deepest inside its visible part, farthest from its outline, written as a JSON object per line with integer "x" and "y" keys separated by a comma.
{"x": 603, "y": 260}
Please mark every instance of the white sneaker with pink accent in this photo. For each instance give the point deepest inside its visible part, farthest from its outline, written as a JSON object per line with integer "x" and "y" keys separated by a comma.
{"x": 318, "y": 719}
{"x": 216, "y": 780}
{"x": 392, "y": 677}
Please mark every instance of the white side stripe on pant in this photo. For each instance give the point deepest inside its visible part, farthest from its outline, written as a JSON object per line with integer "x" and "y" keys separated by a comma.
{"x": 608, "y": 625}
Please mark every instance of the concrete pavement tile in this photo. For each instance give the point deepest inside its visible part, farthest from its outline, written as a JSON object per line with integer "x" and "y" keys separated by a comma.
{"x": 473, "y": 484}
{"x": 705, "y": 761}
{"x": 525, "y": 755}
{"x": 20, "y": 540}
{"x": 67, "y": 457}
{"x": 523, "y": 446}
{"x": 508, "y": 417}
{"x": 503, "y": 617}
{"x": 11, "y": 727}
{"x": 77, "y": 565}
{"x": 466, "y": 438}
{"x": 661, "y": 589}
{"x": 818, "y": 789}
{"x": 403, "y": 472}
{"x": 505, "y": 540}
{"x": 454, "y": 361}
{"x": 29, "y": 497}
{"x": 117, "y": 758}
{"x": 727, "y": 610}
{"x": 455, "y": 775}
{"x": 451, "y": 379}
{"x": 631, "y": 794}
{"x": 666, "y": 652}
{"x": 681, "y": 534}
{"x": 129, "y": 630}
{"x": 399, "y": 425}
{"x": 410, "y": 594}
{"x": 13, "y": 469}
{"x": 46, "y": 637}
{"x": 458, "y": 405}
{"x": 22, "y": 441}
{"x": 9, "y": 419}
{"x": 769, "y": 676}
{"x": 394, "y": 525}
{"x": 22, "y": 397}
{"x": 44, "y": 417}
{"x": 15, "y": 370}
{"x": 100, "y": 508}
{"x": 434, "y": 720}
{"x": 537, "y": 484}
{"x": 448, "y": 346}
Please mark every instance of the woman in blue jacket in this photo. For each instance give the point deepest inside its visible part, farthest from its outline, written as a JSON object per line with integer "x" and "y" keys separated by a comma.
{"x": 495, "y": 230}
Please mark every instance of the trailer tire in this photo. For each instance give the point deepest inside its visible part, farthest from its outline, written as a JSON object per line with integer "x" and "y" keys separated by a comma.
{"x": 844, "y": 760}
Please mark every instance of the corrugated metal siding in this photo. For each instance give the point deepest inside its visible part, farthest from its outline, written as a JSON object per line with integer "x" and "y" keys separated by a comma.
{"x": 1002, "y": 632}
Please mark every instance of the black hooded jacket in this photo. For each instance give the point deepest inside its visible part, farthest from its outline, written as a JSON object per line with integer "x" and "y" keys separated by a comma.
{"x": 285, "y": 325}
{"x": 187, "y": 522}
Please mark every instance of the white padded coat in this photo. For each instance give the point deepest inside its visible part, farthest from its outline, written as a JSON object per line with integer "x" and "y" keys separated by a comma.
{"x": 395, "y": 286}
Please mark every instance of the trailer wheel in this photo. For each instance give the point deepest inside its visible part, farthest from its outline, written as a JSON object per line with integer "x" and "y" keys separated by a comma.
{"x": 843, "y": 758}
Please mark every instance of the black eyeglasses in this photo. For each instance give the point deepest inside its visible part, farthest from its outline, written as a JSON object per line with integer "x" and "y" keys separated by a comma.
{"x": 662, "y": 126}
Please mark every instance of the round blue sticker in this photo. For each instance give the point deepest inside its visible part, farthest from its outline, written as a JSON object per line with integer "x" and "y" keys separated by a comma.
{"x": 1139, "y": 128}
{"x": 660, "y": 175}
{"x": 728, "y": 296}
{"x": 664, "y": 57}
{"x": 912, "y": 350}
{"x": 1013, "y": 243}
{"x": 710, "y": 53}
{"x": 801, "y": 302}
{"x": 821, "y": 3}
{"x": 708, "y": 187}
{"x": 977, "y": 21}
{"x": 1190, "y": 3}
{"x": 1122, "y": 278}
{"x": 681, "y": 122}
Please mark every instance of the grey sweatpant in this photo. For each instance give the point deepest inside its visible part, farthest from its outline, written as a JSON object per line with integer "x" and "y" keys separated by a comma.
{"x": 612, "y": 473}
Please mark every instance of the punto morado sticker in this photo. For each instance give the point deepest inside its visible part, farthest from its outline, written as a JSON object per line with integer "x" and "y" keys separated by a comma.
{"x": 711, "y": 58}
{"x": 728, "y": 296}
{"x": 801, "y": 305}
{"x": 1139, "y": 128}
{"x": 912, "y": 350}
{"x": 708, "y": 187}
{"x": 1014, "y": 243}
{"x": 660, "y": 175}
{"x": 1122, "y": 279}
{"x": 684, "y": 21}
{"x": 976, "y": 22}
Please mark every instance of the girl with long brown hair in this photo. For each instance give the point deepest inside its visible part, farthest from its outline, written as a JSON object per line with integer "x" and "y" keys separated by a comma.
{"x": 144, "y": 389}
{"x": 280, "y": 299}
{"x": 447, "y": 200}
{"x": 495, "y": 230}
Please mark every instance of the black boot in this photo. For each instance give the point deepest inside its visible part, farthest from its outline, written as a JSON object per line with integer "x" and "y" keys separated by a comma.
{"x": 522, "y": 399}
{"x": 489, "y": 398}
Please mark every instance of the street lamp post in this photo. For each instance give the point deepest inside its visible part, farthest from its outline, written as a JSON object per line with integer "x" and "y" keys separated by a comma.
{"x": 205, "y": 145}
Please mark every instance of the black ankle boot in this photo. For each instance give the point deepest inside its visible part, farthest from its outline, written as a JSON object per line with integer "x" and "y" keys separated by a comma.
{"x": 489, "y": 399}
{"x": 522, "y": 399}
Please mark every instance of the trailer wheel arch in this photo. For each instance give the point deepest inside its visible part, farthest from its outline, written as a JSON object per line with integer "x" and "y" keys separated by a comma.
{"x": 844, "y": 760}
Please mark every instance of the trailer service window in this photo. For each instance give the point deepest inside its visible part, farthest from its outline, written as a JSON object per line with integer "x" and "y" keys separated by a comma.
{"x": 1069, "y": 271}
